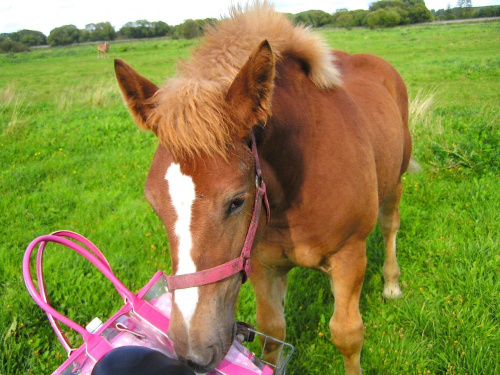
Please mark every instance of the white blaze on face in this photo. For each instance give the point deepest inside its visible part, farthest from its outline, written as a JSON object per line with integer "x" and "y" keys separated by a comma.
{"x": 182, "y": 194}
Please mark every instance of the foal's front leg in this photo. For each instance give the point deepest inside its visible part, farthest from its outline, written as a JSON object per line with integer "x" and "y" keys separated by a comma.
{"x": 270, "y": 285}
{"x": 347, "y": 270}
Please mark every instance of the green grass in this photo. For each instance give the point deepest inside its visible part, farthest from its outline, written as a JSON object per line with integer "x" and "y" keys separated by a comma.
{"x": 71, "y": 158}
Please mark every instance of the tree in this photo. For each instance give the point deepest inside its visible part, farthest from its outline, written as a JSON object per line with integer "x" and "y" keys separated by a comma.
{"x": 360, "y": 17}
{"x": 448, "y": 14}
{"x": 127, "y": 30}
{"x": 29, "y": 37}
{"x": 383, "y": 18}
{"x": 465, "y": 8}
{"x": 344, "y": 19}
{"x": 489, "y": 11}
{"x": 413, "y": 2}
{"x": 419, "y": 13}
{"x": 349, "y": 19}
{"x": 464, "y": 3}
{"x": 190, "y": 29}
{"x": 64, "y": 35}
{"x": 145, "y": 29}
{"x": 409, "y": 11}
{"x": 314, "y": 18}
{"x": 8, "y": 45}
{"x": 100, "y": 31}
{"x": 160, "y": 29}
{"x": 384, "y": 4}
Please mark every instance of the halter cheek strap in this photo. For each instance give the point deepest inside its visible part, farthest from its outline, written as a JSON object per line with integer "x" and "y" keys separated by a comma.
{"x": 242, "y": 263}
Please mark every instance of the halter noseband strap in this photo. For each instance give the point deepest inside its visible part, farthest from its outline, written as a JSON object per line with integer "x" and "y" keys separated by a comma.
{"x": 242, "y": 263}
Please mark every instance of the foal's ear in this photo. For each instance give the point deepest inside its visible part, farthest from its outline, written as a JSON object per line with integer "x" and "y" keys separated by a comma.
{"x": 249, "y": 96}
{"x": 136, "y": 91}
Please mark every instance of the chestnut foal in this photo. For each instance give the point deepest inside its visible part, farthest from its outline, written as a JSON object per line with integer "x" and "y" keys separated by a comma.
{"x": 330, "y": 139}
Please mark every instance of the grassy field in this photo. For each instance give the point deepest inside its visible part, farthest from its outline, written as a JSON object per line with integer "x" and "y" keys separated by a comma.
{"x": 71, "y": 158}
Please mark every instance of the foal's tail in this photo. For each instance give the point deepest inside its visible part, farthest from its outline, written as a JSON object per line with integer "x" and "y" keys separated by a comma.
{"x": 414, "y": 167}
{"x": 420, "y": 115}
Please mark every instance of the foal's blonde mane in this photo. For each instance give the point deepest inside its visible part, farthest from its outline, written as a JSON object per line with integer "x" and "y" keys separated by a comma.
{"x": 191, "y": 116}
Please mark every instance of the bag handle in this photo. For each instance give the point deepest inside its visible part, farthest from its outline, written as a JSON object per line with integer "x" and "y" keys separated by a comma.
{"x": 41, "y": 281}
{"x": 93, "y": 258}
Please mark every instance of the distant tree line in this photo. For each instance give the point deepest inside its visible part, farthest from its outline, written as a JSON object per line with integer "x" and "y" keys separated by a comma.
{"x": 464, "y": 10}
{"x": 389, "y": 13}
{"x": 385, "y": 13}
{"x": 140, "y": 29}
{"x": 20, "y": 41}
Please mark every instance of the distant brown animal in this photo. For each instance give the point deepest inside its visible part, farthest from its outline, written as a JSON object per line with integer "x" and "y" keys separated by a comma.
{"x": 332, "y": 135}
{"x": 102, "y": 50}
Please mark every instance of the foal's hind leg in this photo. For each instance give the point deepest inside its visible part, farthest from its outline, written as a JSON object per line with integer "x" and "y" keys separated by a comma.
{"x": 388, "y": 219}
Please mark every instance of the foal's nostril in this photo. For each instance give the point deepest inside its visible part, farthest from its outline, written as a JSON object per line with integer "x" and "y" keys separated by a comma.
{"x": 200, "y": 365}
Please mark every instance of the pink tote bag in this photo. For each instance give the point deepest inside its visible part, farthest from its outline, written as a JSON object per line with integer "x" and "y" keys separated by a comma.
{"x": 142, "y": 321}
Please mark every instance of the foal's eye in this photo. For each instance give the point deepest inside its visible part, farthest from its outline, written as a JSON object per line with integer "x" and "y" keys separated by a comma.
{"x": 235, "y": 204}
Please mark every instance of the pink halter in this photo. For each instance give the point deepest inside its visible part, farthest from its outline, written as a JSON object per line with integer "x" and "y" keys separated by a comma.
{"x": 242, "y": 263}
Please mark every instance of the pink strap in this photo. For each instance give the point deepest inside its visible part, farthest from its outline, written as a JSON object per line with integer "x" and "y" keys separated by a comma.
{"x": 205, "y": 277}
{"x": 41, "y": 281}
{"x": 103, "y": 267}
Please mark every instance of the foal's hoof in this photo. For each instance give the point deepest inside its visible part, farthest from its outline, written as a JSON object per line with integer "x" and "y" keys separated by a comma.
{"x": 392, "y": 292}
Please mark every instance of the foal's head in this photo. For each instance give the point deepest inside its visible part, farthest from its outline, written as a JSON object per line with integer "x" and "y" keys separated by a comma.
{"x": 202, "y": 186}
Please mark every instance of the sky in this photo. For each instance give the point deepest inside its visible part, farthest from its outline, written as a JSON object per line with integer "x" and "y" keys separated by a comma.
{"x": 45, "y": 15}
